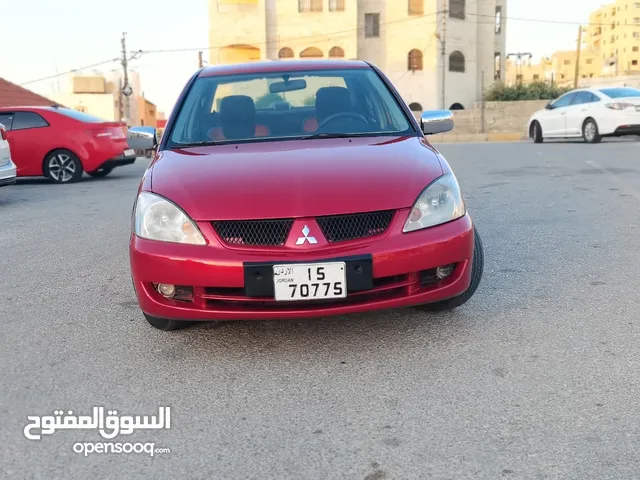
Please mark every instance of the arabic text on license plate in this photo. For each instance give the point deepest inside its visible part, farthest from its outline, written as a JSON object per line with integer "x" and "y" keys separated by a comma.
{"x": 129, "y": 152}
{"x": 310, "y": 281}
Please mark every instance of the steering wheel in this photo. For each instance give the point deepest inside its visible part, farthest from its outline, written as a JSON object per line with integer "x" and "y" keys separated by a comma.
{"x": 331, "y": 118}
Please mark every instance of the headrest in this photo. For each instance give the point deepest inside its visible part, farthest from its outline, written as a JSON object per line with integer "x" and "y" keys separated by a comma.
{"x": 238, "y": 113}
{"x": 237, "y": 107}
{"x": 332, "y": 100}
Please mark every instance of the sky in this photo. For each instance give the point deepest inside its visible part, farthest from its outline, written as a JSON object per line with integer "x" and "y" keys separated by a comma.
{"x": 44, "y": 37}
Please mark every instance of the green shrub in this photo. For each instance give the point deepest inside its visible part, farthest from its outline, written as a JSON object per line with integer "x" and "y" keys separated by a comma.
{"x": 499, "y": 92}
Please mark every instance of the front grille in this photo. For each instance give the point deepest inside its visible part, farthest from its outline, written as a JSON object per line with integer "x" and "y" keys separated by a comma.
{"x": 340, "y": 228}
{"x": 254, "y": 232}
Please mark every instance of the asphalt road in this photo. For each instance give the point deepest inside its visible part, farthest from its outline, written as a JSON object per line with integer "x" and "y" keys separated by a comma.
{"x": 538, "y": 376}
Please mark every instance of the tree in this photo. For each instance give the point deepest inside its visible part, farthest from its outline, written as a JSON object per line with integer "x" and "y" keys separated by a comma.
{"x": 268, "y": 99}
{"x": 499, "y": 92}
{"x": 310, "y": 101}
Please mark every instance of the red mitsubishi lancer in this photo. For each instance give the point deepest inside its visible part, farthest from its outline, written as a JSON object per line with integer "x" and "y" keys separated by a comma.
{"x": 292, "y": 189}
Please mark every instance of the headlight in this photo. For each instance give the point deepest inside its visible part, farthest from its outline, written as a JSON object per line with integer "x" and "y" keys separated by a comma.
{"x": 156, "y": 218}
{"x": 439, "y": 203}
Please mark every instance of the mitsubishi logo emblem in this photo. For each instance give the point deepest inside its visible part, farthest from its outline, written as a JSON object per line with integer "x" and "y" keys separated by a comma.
{"x": 305, "y": 232}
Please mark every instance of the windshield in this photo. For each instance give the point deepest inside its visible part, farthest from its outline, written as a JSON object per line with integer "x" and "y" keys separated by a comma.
{"x": 288, "y": 105}
{"x": 620, "y": 92}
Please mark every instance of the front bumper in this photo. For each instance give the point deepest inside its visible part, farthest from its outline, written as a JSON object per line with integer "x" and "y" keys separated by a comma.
{"x": 7, "y": 174}
{"x": 401, "y": 266}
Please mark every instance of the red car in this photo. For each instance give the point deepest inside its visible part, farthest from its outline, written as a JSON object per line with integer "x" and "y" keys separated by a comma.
{"x": 292, "y": 189}
{"x": 61, "y": 143}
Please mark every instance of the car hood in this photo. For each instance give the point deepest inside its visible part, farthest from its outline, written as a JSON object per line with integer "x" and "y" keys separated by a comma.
{"x": 301, "y": 178}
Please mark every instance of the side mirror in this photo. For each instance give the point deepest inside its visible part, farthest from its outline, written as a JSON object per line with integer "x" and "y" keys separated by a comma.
{"x": 142, "y": 138}
{"x": 436, "y": 121}
{"x": 548, "y": 106}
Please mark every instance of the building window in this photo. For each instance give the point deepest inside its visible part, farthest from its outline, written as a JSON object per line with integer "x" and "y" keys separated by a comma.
{"x": 567, "y": 62}
{"x": 336, "y": 52}
{"x": 636, "y": 34}
{"x": 634, "y": 62}
{"x": 635, "y": 49}
{"x": 415, "y": 60}
{"x": 336, "y": 5}
{"x": 311, "y": 52}
{"x": 285, "y": 52}
{"x": 309, "y": 5}
{"x": 536, "y": 77}
{"x": 416, "y": 7}
{"x": 456, "y": 62}
{"x": 456, "y": 8}
{"x": 589, "y": 61}
{"x": 498, "y": 19}
{"x": 497, "y": 64}
{"x": 371, "y": 25}
{"x": 636, "y": 20}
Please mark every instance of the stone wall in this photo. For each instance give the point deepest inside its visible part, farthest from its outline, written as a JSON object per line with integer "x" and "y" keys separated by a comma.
{"x": 499, "y": 117}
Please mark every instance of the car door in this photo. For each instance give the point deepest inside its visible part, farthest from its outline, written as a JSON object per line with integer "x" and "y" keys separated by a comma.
{"x": 26, "y": 150}
{"x": 577, "y": 112}
{"x": 553, "y": 121}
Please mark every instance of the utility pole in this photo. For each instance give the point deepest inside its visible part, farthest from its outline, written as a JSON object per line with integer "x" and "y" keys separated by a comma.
{"x": 482, "y": 101}
{"x": 200, "y": 64}
{"x": 126, "y": 88}
{"x": 579, "y": 47}
{"x": 443, "y": 52}
{"x": 519, "y": 56}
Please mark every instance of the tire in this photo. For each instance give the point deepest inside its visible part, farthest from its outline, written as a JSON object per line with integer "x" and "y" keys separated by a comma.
{"x": 536, "y": 132}
{"x": 103, "y": 172}
{"x": 477, "y": 269}
{"x": 62, "y": 166}
{"x": 590, "y": 131}
{"x": 166, "y": 325}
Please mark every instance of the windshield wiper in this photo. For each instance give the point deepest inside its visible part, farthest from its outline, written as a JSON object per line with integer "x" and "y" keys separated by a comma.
{"x": 203, "y": 143}
{"x": 329, "y": 135}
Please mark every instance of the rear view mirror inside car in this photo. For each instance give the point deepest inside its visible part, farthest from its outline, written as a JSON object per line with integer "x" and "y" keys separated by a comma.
{"x": 287, "y": 86}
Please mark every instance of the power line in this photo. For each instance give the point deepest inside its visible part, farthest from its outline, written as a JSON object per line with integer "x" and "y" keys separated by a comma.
{"x": 104, "y": 62}
{"x": 561, "y": 22}
{"x": 329, "y": 35}
{"x": 291, "y": 39}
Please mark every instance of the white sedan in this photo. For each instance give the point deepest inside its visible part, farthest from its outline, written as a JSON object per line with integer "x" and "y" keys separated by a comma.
{"x": 7, "y": 167}
{"x": 590, "y": 113}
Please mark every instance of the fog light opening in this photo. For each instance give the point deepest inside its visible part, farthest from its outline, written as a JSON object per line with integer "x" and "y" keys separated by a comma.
{"x": 166, "y": 290}
{"x": 444, "y": 271}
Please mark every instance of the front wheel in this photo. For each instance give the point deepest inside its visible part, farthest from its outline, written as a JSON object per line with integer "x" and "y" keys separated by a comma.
{"x": 590, "y": 131}
{"x": 165, "y": 324}
{"x": 536, "y": 133}
{"x": 477, "y": 268}
{"x": 62, "y": 166}
{"x": 103, "y": 172}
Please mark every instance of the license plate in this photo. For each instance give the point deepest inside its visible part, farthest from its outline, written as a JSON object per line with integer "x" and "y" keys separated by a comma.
{"x": 129, "y": 152}
{"x": 637, "y": 108}
{"x": 310, "y": 281}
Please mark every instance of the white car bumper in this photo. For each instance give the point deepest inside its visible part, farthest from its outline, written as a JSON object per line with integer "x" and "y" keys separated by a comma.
{"x": 7, "y": 174}
{"x": 624, "y": 122}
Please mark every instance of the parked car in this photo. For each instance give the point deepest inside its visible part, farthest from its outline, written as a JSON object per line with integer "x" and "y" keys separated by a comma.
{"x": 258, "y": 213}
{"x": 61, "y": 143}
{"x": 590, "y": 113}
{"x": 7, "y": 167}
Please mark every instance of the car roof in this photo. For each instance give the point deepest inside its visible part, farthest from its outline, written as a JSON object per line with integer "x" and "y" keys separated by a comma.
{"x": 28, "y": 107}
{"x": 271, "y": 66}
